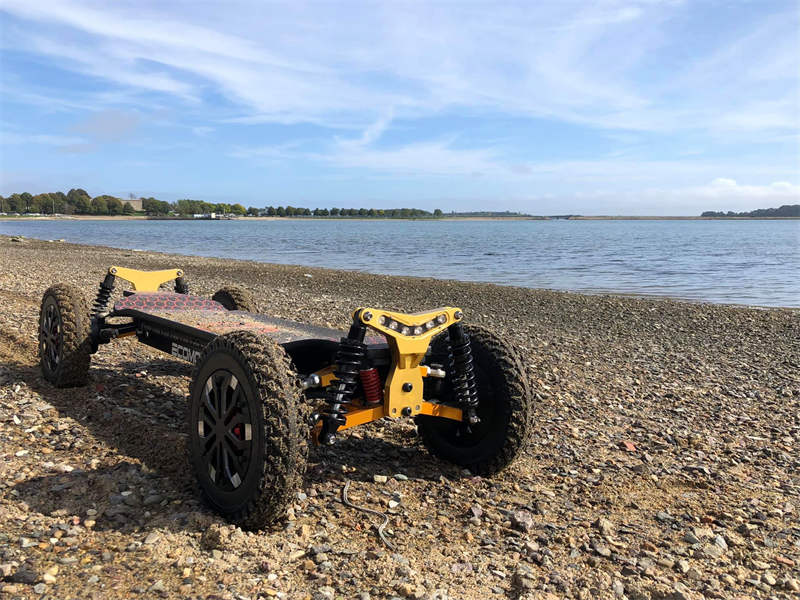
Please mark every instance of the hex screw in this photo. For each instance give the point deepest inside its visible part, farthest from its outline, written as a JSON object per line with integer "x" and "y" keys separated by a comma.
{"x": 407, "y": 387}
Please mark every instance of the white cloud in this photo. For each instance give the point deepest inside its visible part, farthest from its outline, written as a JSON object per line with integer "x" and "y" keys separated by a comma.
{"x": 588, "y": 64}
{"x": 43, "y": 139}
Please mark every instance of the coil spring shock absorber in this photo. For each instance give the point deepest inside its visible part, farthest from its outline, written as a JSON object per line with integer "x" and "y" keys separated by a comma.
{"x": 100, "y": 306}
{"x": 371, "y": 382}
{"x": 349, "y": 360}
{"x": 465, "y": 390}
{"x": 100, "y": 309}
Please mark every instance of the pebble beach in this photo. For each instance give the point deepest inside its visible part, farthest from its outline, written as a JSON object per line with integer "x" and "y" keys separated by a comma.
{"x": 664, "y": 461}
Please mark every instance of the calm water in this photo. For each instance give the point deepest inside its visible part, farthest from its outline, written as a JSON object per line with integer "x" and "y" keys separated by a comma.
{"x": 741, "y": 262}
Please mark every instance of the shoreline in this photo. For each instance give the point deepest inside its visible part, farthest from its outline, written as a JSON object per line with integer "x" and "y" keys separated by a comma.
{"x": 443, "y": 218}
{"x": 653, "y": 418}
{"x": 581, "y": 292}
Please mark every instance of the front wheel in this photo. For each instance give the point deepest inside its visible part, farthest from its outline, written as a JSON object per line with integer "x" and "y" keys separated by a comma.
{"x": 234, "y": 297}
{"x": 246, "y": 443}
{"x": 64, "y": 346}
{"x": 505, "y": 408}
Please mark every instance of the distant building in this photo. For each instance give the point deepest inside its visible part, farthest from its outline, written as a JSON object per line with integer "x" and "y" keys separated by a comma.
{"x": 135, "y": 203}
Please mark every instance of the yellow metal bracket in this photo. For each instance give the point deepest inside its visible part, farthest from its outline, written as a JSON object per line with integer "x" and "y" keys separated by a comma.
{"x": 409, "y": 336}
{"x": 145, "y": 281}
{"x": 360, "y": 415}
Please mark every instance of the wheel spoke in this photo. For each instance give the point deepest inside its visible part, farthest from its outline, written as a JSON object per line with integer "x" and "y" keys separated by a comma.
{"x": 238, "y": 444}
{"x": 208, "y": 403}
{"x": 236, "y": 397}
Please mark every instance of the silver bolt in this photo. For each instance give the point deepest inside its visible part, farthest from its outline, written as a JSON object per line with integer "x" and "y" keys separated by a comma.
{"x": 458, "y": 315}
{"x": 367, "y": 316}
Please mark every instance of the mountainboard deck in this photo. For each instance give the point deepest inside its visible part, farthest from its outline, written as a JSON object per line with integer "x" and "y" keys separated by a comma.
{"x": 206, "y": 319}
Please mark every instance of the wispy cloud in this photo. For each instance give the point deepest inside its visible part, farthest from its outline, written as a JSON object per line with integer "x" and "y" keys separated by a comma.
{"x": 43, "y": 139}
{"x": 582, "y": 66}
{"x": 620, "y": 92}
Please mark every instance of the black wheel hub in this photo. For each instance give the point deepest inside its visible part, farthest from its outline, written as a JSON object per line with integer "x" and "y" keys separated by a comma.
{"x": 50, "y": 336}
{"x": 224, "y": 426}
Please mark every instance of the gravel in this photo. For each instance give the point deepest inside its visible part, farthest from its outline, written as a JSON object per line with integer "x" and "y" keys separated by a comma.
{"x": 665, "y": 460}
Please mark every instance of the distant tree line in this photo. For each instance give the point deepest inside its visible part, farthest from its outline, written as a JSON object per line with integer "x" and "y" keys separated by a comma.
{"x": 787, "y": 210}
{"x": 79, "y": 202}
{"x": 76, "y": 201}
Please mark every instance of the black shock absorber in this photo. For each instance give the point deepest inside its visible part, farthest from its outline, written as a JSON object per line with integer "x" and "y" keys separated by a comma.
{"x": 100, "y": 309}
{"x": 349, "y": 362}
{"x": 465, "y": 390}
{"x": 101, "y": 301}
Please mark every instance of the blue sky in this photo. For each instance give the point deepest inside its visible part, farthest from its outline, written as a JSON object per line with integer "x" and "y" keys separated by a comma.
{"x": 607, "y": 107}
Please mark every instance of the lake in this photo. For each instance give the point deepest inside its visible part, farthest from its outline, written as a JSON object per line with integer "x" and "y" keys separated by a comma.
{"x": 751, "y": 262}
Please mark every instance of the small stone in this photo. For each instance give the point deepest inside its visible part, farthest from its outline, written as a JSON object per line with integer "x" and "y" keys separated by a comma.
{"x": 769, "y": 578}
{"x": 324, "y": 593}
{"x": 793, "y": 585}
{"x": 151, "y": 538}
{"x": 759, "y": 564}
{"x": 690, "y": 538}
{"x": 39, "y": 588}
{"x": 602, "y": 549}
{"x": 605, "y": 526}
{"x": 694, "y": 573}
{"x": 400, "y": 477}
{"x": 476, "y": 510}
{"x": 720, "y": 541}
{"x": 308, "y": 565}
{"x": 522, "y": 520}
{"x": 712, "y": 551}
{"x": 667, "y": 563}
{"x": 664, "y": 517}
{"x": 380, "y": 478}
{"x": 215, "y": 536}
{"x": 158, "y": 586}
{"x": 393, "y": 504}
{"x": 683, "y": 565}
{"x": 524, "y": 578}
{"x": 93, "y": 579}
{"x": 407, "y": 590}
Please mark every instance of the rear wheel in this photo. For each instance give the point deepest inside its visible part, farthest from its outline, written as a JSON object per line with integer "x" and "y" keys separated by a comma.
{"x": 64, "y": 347}
{"x": 246, "y": 443}
{"x": 505, "y": 408}
{"x": 234, "y": 297}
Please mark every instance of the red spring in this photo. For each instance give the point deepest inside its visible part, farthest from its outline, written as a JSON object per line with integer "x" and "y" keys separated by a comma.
{"x": 371, "y": 382}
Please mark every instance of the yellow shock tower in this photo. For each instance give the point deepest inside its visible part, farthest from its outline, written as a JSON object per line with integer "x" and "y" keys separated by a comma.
{"x": 409, "y": 336}
{"x": 145, "y": 281}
